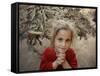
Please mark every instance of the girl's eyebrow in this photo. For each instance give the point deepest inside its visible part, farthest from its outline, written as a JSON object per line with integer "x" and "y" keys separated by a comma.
{"x": 68, "y": 39}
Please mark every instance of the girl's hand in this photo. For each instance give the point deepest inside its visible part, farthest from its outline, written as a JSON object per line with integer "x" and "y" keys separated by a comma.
{"x": 60, "y": 58}
{"x": 66, "y": 65}
{"x": 57, "y": 62}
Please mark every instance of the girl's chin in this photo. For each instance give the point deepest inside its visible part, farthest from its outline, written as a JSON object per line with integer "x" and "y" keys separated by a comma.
{"x": 61, "y": 50}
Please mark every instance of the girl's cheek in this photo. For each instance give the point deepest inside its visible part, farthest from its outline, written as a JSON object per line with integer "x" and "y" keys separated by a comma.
{"x": 56, "y": 43}
{"x": 69, "y": 45}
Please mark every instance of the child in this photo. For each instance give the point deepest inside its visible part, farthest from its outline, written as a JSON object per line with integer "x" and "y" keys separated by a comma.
{"x": 60, "y": 55}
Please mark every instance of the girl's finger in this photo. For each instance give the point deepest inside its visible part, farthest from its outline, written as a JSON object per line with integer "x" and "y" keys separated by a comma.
{"x": 61, "y": 55}
{"x": 60, "y": 61}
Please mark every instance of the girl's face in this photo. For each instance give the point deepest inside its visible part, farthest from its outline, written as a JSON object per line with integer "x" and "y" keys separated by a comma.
{"x": 63, "y": 40}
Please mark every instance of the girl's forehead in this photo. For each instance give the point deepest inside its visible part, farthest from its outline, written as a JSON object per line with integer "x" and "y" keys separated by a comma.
{"x": 64, "y": 33}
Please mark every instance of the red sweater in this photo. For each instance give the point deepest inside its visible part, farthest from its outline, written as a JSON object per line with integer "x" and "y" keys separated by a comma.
{"x": 49, "y": 56}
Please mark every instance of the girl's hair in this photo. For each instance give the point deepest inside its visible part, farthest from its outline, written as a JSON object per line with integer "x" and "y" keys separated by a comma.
{"x": 57, "y": 26}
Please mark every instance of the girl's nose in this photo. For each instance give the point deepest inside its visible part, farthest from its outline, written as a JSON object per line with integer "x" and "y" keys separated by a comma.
{"x": 63, "y": 44}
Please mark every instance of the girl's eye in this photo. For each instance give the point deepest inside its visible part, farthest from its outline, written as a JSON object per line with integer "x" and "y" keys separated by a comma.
{"x": 68, "y": 40}
{"x": 60, "y": 39}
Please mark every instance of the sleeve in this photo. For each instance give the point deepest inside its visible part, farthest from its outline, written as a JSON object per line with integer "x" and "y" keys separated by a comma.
{"x": 45, "y": 64}
{"x": 72, "y": 59}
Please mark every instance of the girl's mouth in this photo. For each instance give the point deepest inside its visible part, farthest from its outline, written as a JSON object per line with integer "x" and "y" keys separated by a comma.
{"x": 61, "y": 49}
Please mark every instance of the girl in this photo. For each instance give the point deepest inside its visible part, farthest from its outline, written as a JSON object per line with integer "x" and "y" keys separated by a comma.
{"x": 60, "y": 55}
